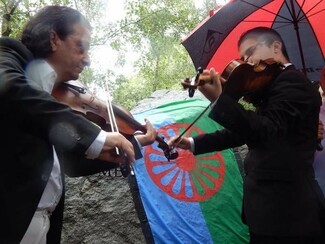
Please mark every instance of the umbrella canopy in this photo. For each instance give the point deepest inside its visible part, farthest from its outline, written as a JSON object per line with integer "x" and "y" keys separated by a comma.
{"x": 213, "y": 43}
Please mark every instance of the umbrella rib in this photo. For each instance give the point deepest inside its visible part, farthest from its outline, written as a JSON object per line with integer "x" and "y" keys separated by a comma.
{"x": 300, "y": 10}
{"x": 268, "y": 21}
{"x": 286, "y": 20}
{"x": 305, "y": 15}
{"x": 266, "y": 10}
{"x": 312, "y": 8}
{"x": 285, "y": 23}
{"x": 314, "y": 13}
{"x": 294, "y": 18}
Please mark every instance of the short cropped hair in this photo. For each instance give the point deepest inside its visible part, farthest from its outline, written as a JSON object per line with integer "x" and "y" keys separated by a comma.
{"x": 60, "y": 19}
{"x": 268, "y": 35}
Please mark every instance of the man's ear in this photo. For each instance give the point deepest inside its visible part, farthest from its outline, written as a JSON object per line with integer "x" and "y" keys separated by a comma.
{"x": 55, "y": 40}
{"x": 277, "y": 46}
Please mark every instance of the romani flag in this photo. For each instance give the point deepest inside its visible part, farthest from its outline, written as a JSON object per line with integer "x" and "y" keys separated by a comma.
{"x": 192, "y": 199}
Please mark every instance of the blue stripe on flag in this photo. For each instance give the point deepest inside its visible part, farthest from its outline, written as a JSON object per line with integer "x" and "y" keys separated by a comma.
{"x": 171, "y": 220}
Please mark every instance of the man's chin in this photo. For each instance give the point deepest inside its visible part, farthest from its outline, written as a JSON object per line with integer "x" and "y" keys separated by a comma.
{"x": 75, "y": 77}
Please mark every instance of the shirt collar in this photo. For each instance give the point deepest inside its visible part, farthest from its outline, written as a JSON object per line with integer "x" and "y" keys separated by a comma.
{"x": 287, "y": 64}
{"x": 41, "y": 75}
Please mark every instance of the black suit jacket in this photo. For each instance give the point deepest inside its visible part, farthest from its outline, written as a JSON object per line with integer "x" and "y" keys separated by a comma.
{"x": 31, "y": 122}
{"x": 281, "y": 196}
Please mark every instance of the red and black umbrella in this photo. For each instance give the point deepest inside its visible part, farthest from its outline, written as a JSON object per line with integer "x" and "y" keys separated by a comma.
{"x": 213, "y": 43}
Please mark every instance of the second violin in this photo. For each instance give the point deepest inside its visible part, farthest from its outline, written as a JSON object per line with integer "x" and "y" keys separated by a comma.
{"x": 240, "y": 79}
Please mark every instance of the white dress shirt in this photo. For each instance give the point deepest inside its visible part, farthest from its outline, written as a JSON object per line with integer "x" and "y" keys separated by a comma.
{"x": 42, "y": 76}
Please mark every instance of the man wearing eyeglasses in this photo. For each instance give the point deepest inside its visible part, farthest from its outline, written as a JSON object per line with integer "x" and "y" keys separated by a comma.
{"x": 282, "y": 202}
{"x": 43, "y": 139}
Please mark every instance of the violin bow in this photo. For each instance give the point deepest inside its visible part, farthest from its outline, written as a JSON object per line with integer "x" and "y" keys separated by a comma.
{"x": 125, "y": 167}
{"x": 179, "y": 138}
{"x": 191, "y": 91}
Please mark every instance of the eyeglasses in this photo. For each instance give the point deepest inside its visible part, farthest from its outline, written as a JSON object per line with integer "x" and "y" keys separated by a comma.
{"x": 250, "y": 51}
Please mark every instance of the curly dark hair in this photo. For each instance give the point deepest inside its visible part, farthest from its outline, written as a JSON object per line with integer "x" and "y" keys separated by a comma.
{"x": 61, "y": 19}
{"x": 266, "y": 34}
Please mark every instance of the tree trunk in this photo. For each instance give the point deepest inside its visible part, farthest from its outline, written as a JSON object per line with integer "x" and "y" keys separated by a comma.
{"x": 9, "y": 10}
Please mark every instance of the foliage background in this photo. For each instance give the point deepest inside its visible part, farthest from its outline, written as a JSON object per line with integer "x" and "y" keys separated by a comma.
{"x": 151, "y": 29}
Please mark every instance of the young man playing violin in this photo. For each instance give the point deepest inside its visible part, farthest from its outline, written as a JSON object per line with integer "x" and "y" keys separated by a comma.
{"x": 282, "y": 202}
{"x": 42, "y": 138}
{"x": 319, "y": 165}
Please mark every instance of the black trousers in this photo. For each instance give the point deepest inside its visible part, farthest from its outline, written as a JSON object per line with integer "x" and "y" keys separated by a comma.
{"x": 145, "y": 226}
{"x": 262, "y": 239}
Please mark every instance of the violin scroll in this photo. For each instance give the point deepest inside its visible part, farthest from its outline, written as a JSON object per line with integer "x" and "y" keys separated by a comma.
{"x": 199, "y": 80}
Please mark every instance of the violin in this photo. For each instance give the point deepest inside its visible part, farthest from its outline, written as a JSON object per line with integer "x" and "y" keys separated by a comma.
{"x": 240, "y": 79}
{"x": 82, "y": 101}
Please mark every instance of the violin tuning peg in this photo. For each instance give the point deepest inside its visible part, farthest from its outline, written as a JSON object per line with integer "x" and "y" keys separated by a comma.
{"x": 191, "y": 92}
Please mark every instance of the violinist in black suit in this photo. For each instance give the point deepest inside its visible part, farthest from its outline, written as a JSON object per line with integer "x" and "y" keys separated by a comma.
{"x": 282, "y": 202}
{"x": 41, "y": 138}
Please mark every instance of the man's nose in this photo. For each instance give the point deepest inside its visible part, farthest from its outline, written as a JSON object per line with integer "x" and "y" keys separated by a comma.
{"x": 86, "y": 60}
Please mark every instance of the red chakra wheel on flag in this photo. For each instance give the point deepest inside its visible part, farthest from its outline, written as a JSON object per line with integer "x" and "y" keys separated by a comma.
{"x": 188, "y": 178}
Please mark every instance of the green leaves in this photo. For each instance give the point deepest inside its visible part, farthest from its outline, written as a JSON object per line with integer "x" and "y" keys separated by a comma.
{"x": 153, "y": 29}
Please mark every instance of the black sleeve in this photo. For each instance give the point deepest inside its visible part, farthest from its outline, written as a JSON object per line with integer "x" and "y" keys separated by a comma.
{"x": 289, "y": 99}
{"x": 36, "y": 111}
{"x": 217, "y": 141}
{"x": 76, "y": 166}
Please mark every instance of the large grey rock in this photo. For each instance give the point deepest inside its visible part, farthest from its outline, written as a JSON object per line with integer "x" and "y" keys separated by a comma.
{"x": 161, "y": 97}
{"x": 99, "y": 209}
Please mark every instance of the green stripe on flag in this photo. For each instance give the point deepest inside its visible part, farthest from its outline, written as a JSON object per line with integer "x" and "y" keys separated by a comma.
{"x": 222, "y": 211}
{"x": 212, "y": 180}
